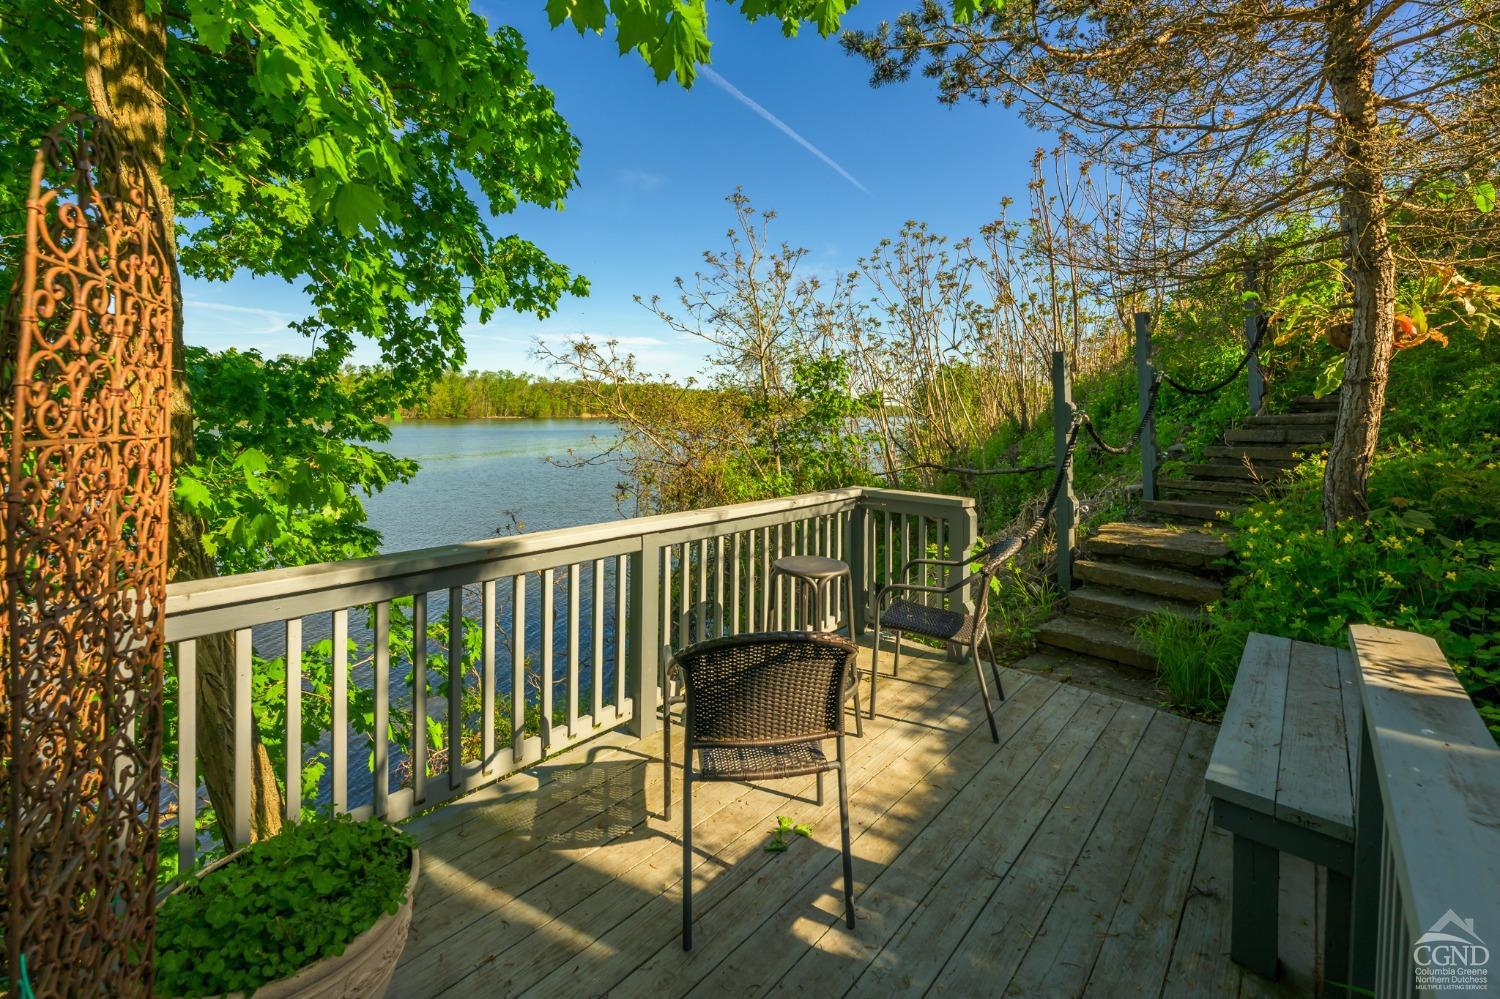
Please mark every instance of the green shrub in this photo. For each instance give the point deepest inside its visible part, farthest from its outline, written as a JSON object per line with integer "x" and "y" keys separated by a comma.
{"x": 279, "y": 906}
{"x": 1427, "y": 561}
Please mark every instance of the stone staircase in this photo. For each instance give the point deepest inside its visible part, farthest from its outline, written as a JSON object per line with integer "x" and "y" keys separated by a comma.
{"x": 1129, "y": 569}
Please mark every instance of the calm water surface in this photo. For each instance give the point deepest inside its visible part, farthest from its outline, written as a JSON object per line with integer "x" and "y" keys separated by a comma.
{"x": 476, "y": 474}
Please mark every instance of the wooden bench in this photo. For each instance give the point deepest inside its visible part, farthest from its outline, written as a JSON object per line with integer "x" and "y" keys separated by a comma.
{"x": 1282, "y": 780}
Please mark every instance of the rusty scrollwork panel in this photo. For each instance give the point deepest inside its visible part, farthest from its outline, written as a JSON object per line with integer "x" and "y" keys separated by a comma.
{"x": 87, "y": 359}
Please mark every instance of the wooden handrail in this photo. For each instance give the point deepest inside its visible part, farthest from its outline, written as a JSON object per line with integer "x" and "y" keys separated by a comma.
{"x": 1427, "y": 817}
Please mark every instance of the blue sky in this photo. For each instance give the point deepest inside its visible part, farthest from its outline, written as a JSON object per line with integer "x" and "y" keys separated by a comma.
{"x": 658, "y": 161}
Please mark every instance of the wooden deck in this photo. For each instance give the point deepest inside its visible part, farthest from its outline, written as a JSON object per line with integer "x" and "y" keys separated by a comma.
{"x": 1076, "y": 858}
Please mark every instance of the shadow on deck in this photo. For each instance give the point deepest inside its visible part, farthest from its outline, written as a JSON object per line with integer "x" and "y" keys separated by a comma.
{"x": 1075, "y": 858}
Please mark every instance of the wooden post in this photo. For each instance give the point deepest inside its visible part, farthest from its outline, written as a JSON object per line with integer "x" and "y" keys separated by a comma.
{"x": 1062, "y": 423}
{"x": 643, "y": 640}
{"x": 859, "y": 581}
{"x": 1145, "y": 377}
{"x": 1252, "y": 327}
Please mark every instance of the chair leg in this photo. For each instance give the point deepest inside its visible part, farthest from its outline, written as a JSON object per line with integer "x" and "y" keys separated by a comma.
{"x": 820, "y": 787}
{"x": 896, "y": 659}
{"x": 994, "y": 666}
{"x": 984, "y": 691}
{"x": 666, "y": 757}
{"x": 687, "y": 860}
{"x": 844, "y": 832}
{"x": 859, "y": 721}
{"x": 874, "y": 664}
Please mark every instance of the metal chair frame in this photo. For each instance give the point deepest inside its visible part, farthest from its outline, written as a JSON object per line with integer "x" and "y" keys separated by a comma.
{"x": 989, "y": 560}
{"x": 787, "y": 737}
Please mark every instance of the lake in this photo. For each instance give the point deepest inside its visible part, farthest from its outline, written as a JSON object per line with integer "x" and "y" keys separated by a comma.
{"x": 479, "y": 479}
{"x": 476, "y": 474}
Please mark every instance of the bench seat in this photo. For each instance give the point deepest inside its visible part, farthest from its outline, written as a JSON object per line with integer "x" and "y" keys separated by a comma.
{"x": 1282, "y": 779}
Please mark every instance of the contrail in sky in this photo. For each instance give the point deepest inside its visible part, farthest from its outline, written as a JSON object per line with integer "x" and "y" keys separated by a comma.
{"x": 782, "y": 126}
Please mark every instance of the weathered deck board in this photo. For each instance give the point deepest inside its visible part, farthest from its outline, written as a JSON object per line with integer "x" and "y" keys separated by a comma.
{"x": 1074, "y": 857}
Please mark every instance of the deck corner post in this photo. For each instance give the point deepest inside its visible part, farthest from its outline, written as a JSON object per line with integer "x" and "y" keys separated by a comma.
{"x": 965, "y": 533}
{"x": 1253, "y": 308}
{"x": 1063, "y": 413}
{"x": 1145, "y": 379}
{"x": 643, "y": 639}
{"x": 854, "y": 545}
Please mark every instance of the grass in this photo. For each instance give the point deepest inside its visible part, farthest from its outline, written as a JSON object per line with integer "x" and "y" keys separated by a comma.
{"x": 1197, "y": 658}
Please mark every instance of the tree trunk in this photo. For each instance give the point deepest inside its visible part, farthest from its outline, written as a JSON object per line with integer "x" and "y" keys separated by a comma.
{"x": 1371, "y": 264}
{"x": 124, "y": 79}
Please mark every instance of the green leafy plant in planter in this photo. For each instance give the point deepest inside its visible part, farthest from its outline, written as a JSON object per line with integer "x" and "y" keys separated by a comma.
{"x": 279, "y": 906}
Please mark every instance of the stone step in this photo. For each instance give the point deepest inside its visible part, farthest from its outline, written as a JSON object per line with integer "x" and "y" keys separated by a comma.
{"x": 1288, "y": 455}
{"x": 1313, "y": 403}
{"x": 1092, "y": 673}
{"x": 1156, "y": 543}
{"x": 1097, "y": 638}
{"x": 1191, "y": 512}
{"x": 1155, "y": 580}
{"x": 1237, "y": 472}
{"x": 1318, "y": 418}
{"x": 1236, "y": 488}
{"x": 1279, "y": 435}
{"x": 1202, "y": 498}
{"x": 1122, "y": 605}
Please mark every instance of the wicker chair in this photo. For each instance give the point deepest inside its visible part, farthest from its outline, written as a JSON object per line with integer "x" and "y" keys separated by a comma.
{"x": 759, "y": 707}
{"x": 967, "y": 631}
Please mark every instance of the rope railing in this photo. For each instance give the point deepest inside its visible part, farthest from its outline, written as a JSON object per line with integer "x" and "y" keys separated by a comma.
{"x": 1082, "y": 423}
{"x": 1252, "y": 351}
{"x": 1100, "y": 444}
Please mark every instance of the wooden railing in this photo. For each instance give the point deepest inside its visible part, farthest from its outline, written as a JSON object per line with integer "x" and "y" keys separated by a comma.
{"x": 1427, "y": 827}
{"x": 581, "y": 619}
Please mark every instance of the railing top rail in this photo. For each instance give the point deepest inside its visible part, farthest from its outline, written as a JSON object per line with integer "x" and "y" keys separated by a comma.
{"x": 1439, "y": 772}
{"x": 898, "y": 497}
{"x": 284, "y": 586}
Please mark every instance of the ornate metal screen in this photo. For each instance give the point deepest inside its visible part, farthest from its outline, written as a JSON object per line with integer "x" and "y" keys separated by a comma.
{"x": 87, "y": 343}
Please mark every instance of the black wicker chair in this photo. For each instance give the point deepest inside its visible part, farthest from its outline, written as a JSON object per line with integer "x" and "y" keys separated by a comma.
{"x": 966, "y": 631}
{"x": 759, "y": 707}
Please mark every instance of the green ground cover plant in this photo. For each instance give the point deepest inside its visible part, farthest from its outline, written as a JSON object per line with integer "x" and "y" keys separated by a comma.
{"x": 281, "y": 905}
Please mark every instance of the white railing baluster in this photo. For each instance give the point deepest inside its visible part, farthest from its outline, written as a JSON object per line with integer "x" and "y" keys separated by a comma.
{"x": 719, "y": 601}
{"x": 684, "y": 596}
{"x": 621, "y": 624}
{"x": 734, "y": 584}
{"x": 518, "y": 668}
{"x": 339, "y": 744}
{"x": 242, "y": 722}
{"x": 574, "y": 728}
{"x": 186, "y": 658}
{"x": 419, "y": 697}
{"x": 456, "y": 687}
{"x": 293, "y": 719}
{"x": 487, "y": 678}
{"x": 596, "y": 672}
{"x": 547, "y": 637}
{"x": 382, "y": 737}
{"x": 700, "y": 614}
{"x": 763, "y": 619}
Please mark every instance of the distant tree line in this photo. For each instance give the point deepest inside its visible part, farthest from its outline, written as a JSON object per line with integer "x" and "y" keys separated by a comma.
{"x": 485, "y": 395}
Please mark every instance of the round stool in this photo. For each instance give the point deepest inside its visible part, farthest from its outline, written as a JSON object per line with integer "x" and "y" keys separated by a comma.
{"x": 810, "y": 574}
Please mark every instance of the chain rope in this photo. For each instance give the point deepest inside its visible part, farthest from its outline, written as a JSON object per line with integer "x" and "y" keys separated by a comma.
{"x": 1260, "y": 332}
{"x": 1082, "y": 421}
